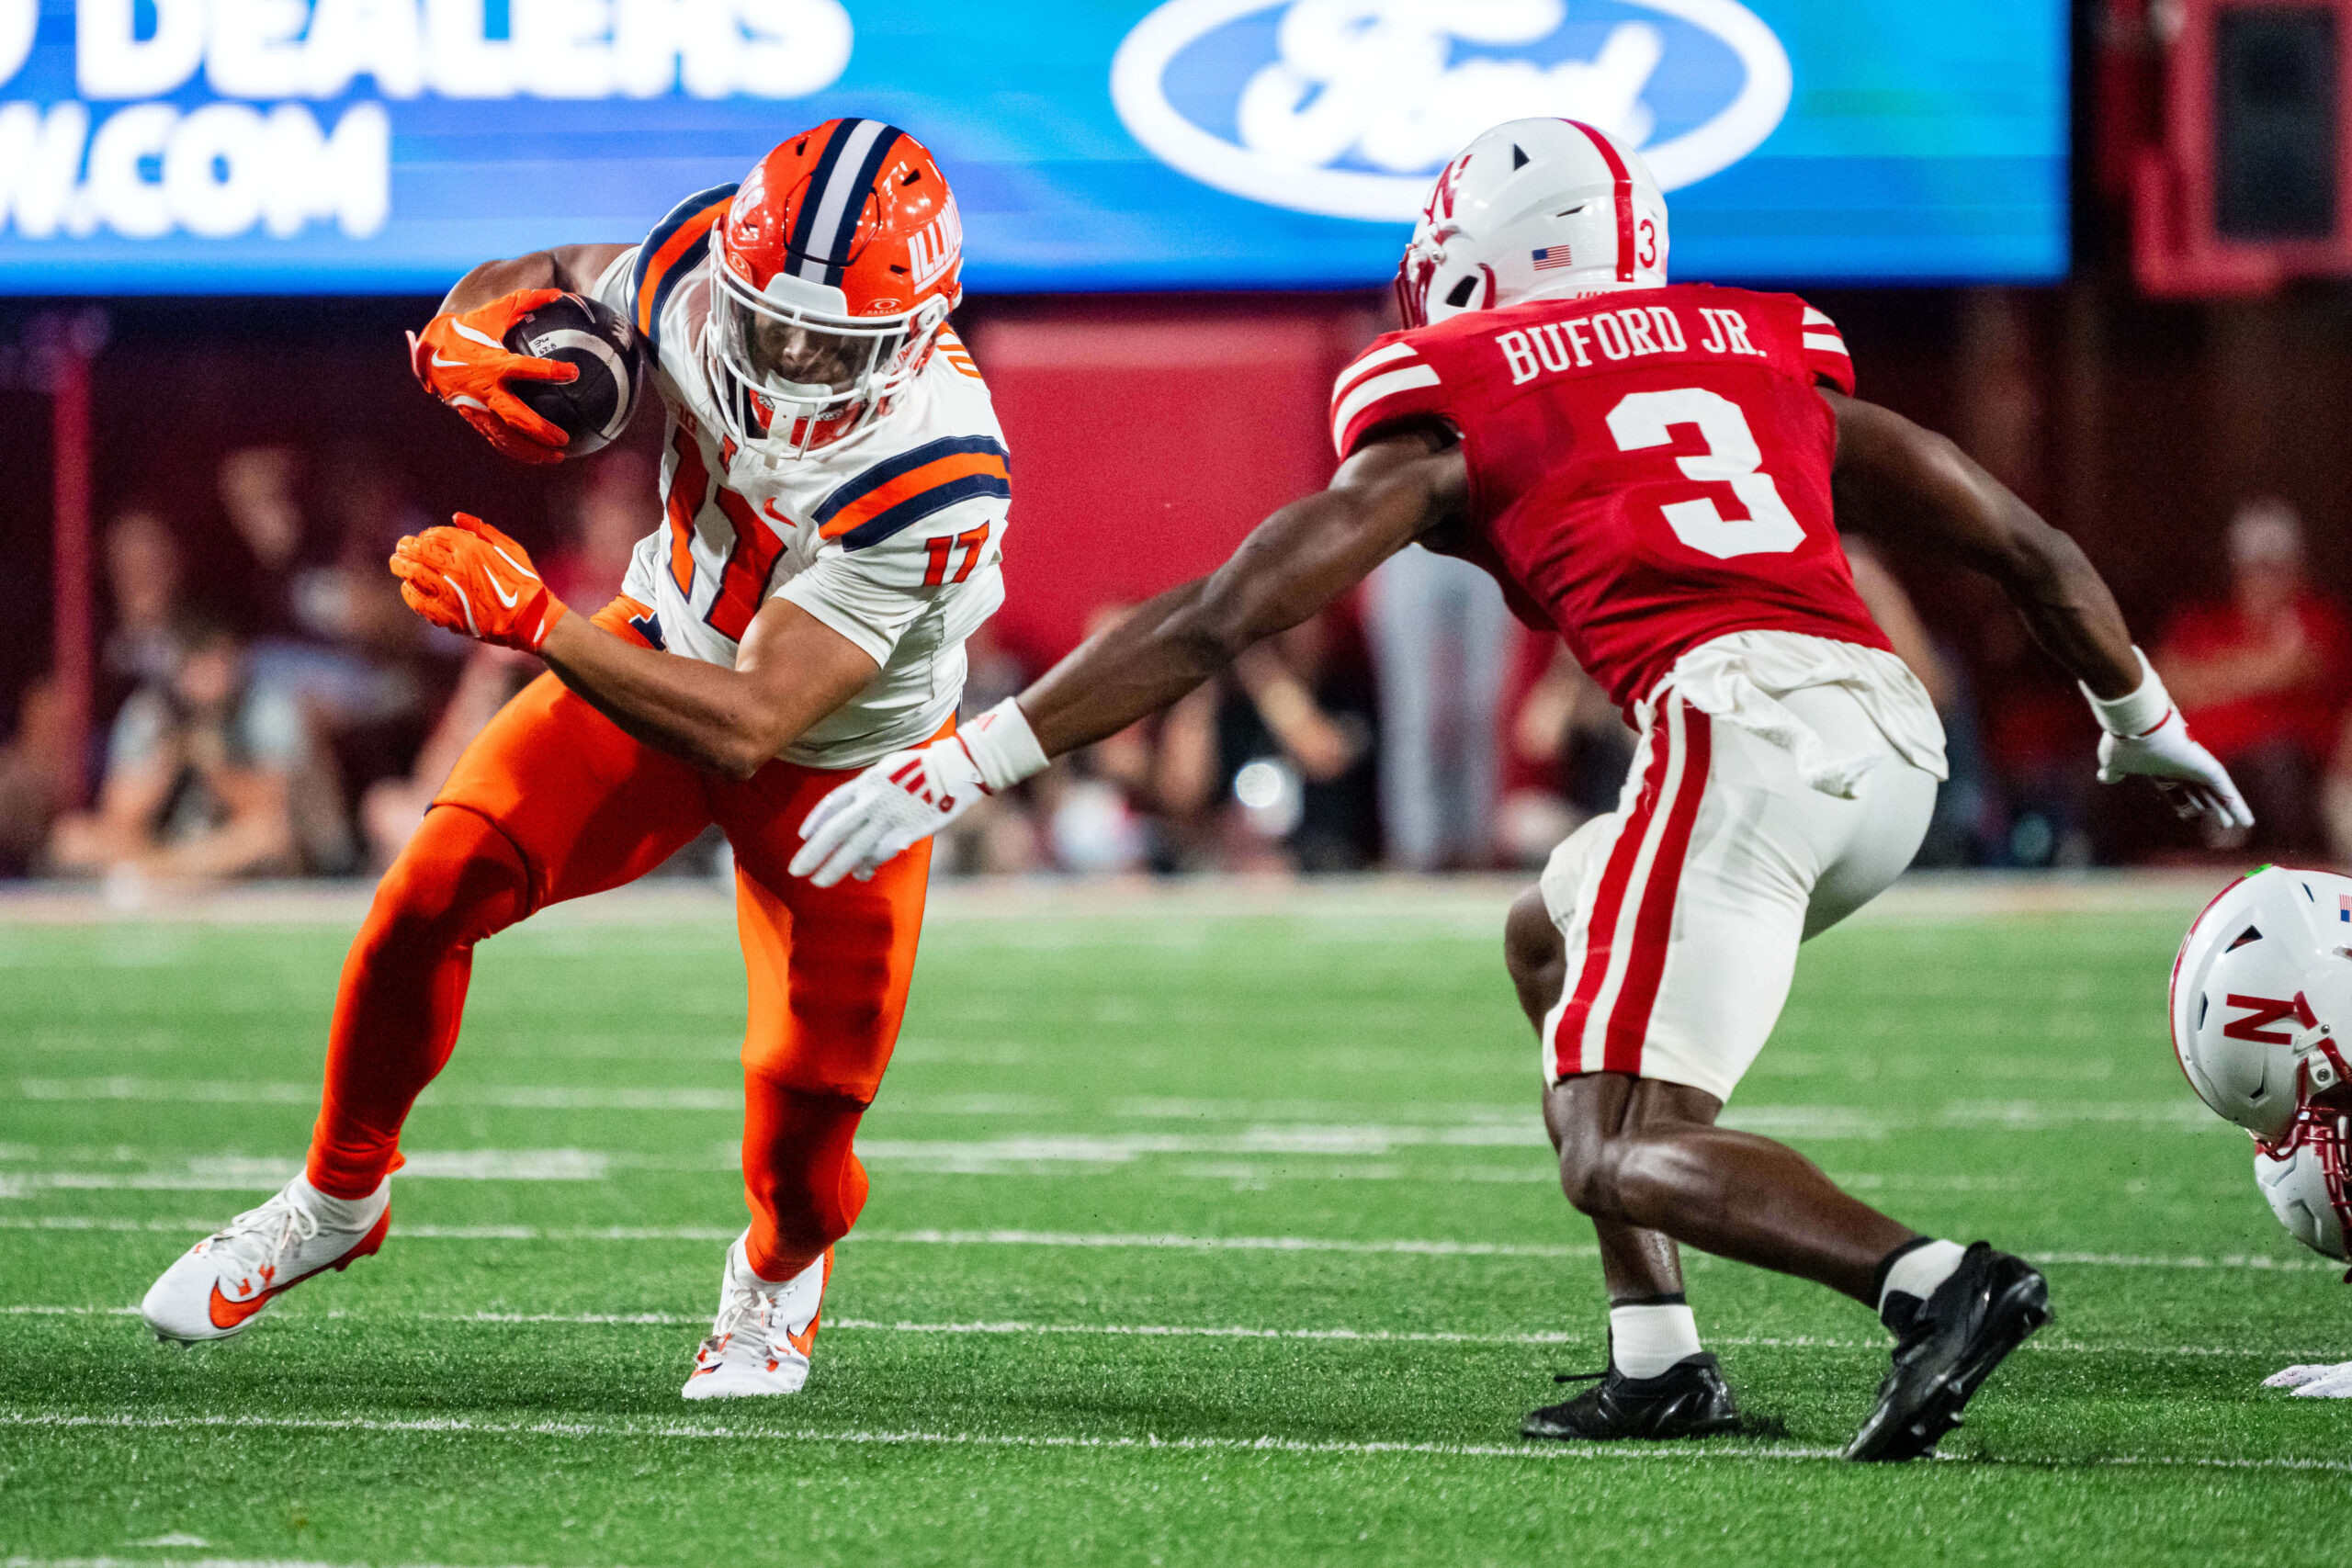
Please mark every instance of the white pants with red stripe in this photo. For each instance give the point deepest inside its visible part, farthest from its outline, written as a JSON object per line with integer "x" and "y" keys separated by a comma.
{"x": 1683, "y": 908}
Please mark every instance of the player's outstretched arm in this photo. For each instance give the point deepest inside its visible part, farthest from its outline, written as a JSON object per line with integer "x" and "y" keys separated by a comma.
{"x": 1897, "y": 480}
{"x": 1290, "y": 566}
{"x": 1294, "y": 564}
{"x": 791, "y": 670}
{"x": 461, "y": 355}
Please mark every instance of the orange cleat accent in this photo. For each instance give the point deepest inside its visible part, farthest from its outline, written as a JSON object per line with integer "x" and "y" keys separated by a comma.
{"x": 229, "y": 1316}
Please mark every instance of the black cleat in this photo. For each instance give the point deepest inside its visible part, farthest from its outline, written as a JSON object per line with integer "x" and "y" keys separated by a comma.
{"x": 1975, "y": 1318}
{"x": 1688, "y": 1399}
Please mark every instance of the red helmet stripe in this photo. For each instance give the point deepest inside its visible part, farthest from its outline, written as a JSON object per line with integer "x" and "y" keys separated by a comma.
{"x": 1624, "y": 178}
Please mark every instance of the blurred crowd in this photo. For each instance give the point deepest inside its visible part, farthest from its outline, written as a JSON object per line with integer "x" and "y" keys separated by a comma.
{"x": 271, "y": 709}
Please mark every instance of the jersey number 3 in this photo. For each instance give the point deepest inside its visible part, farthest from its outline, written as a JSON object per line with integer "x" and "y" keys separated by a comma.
{"x": 1646, "y": 420}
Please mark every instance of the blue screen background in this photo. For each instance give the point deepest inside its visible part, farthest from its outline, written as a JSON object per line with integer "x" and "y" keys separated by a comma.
{"x": 1922, "y": 143}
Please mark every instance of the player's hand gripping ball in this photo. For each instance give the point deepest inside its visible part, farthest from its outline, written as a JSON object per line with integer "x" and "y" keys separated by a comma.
{"x": 471, "y": 578}
{"x": 541, "y": 374}
{"x": 594, "y": 407}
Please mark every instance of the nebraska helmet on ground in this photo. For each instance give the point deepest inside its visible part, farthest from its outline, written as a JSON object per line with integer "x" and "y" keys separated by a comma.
{"x": 1533, "y": 209}
{"x": 2262, "y": 997}
{"x": 2303, "y": 1176}
{"x": 838, "y": 260}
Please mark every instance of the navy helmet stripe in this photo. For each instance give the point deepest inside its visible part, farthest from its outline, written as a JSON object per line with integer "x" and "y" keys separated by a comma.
{"x": 914, "y": 508}
{"x": 804, "y": 225}
{"x": 830, "y": 199}
{"x": 826, "y": 226}
{"x": 907, "y": 462}
{"x": 854, "y": 196}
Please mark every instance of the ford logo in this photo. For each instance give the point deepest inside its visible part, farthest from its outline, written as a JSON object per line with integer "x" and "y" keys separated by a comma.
{"x": 1349, "y": 108}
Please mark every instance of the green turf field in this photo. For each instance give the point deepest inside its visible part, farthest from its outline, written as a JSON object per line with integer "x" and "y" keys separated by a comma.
{"x": 1195, "y": 1237}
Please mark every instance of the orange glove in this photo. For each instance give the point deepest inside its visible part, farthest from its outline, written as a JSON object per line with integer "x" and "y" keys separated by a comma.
{"x": 464, "y": 361}
{"x": 471, "y": 577}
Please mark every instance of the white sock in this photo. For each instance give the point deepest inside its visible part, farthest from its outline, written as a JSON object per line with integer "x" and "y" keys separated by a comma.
{"x": 343, "y": 1214}
{"x": 1644, "y": 1340}
{"x": 1918, "y": 1271}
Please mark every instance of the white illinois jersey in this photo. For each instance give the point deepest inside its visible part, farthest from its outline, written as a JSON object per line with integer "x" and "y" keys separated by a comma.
{"x": 892, "y": 538}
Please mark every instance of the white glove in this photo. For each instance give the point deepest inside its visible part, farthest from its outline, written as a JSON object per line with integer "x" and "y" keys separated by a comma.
{"x": 908, "y": 795}
{"x": 2314, "y": 1382}
{"x": 2146, "y": 738}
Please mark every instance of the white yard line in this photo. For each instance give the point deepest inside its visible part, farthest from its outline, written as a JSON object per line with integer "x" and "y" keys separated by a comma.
{"x": 495, "y": 1097}
{"x": 1190, "y": 1331}
{"x": 1540, "y": 1453}
{"x": 172, "y": 1562}
{"x": 20, "y": 1177}
{"x": 1276, "y": 1243}
{"x": 1489, "y": 1127}
{"x": 233, "y": 1173}
{"x": 1479, "y": 902}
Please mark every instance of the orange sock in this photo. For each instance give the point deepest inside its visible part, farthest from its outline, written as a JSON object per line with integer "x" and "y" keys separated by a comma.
{"x": 805, "y": 1185}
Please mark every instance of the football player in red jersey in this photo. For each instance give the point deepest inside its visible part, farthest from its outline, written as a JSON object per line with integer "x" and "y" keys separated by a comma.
{"x": 1652, "y": 471}
{"x": 834, "y": 493}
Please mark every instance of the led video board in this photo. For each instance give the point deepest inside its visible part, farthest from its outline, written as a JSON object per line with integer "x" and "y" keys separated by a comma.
{"x": 303, "y": 146}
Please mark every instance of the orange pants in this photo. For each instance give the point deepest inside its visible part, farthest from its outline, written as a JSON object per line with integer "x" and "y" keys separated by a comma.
{"x": 552, "y": 801}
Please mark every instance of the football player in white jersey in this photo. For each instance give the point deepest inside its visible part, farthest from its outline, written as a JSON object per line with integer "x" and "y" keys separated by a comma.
{"x": 834, "y": 492}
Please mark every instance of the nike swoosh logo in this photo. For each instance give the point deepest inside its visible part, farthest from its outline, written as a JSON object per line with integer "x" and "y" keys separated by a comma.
{"x": 500, "y": 589}
{"x": 463, "y": 603}
{"x": 520, "y": 569}
{"x": 441, "y": 364}
{"x": 226, "y": 1314}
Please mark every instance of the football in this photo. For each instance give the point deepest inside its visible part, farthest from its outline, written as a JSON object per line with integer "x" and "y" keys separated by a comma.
{"x": 594, "y": 409}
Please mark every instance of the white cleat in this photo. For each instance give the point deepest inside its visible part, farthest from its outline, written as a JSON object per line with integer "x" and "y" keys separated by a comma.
{"x": 2314, "y": 1382}
{"x": 761, "y": 1341}
{"x": 219, "y": 1285}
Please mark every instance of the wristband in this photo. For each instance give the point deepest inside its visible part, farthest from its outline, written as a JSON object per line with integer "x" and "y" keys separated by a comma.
{"x": 2140, "y": 712}
{"x": 1003, "y": 746}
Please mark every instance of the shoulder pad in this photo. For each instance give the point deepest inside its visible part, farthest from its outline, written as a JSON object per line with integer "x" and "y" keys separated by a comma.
{"x": 897, "y": 492}
{"x": 668, "y": 253}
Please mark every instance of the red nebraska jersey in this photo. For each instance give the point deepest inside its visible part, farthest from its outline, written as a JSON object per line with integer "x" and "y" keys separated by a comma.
{"x": 1649, "y": 466}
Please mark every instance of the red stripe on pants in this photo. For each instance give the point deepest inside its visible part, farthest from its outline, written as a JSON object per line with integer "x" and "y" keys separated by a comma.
{"x": 1600, "y": 930}
{"x": 1629, "y": 1021}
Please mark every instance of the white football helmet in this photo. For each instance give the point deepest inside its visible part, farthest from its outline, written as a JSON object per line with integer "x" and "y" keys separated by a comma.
{"x": 2304, "y": 1175}
{"x": 1533, "y": 209}
{"x": 2263, "y": 980}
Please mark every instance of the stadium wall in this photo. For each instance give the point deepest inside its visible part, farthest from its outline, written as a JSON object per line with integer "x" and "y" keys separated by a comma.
{"x": 1150, "y": 433}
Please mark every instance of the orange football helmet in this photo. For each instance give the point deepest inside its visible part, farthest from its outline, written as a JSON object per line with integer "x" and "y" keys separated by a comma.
{"x": 833, "y": 271}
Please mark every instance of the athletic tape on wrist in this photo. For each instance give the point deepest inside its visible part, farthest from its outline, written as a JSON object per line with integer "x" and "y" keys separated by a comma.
{"x": 1003, "y": 746}
{"x": 2139, "y": 712}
